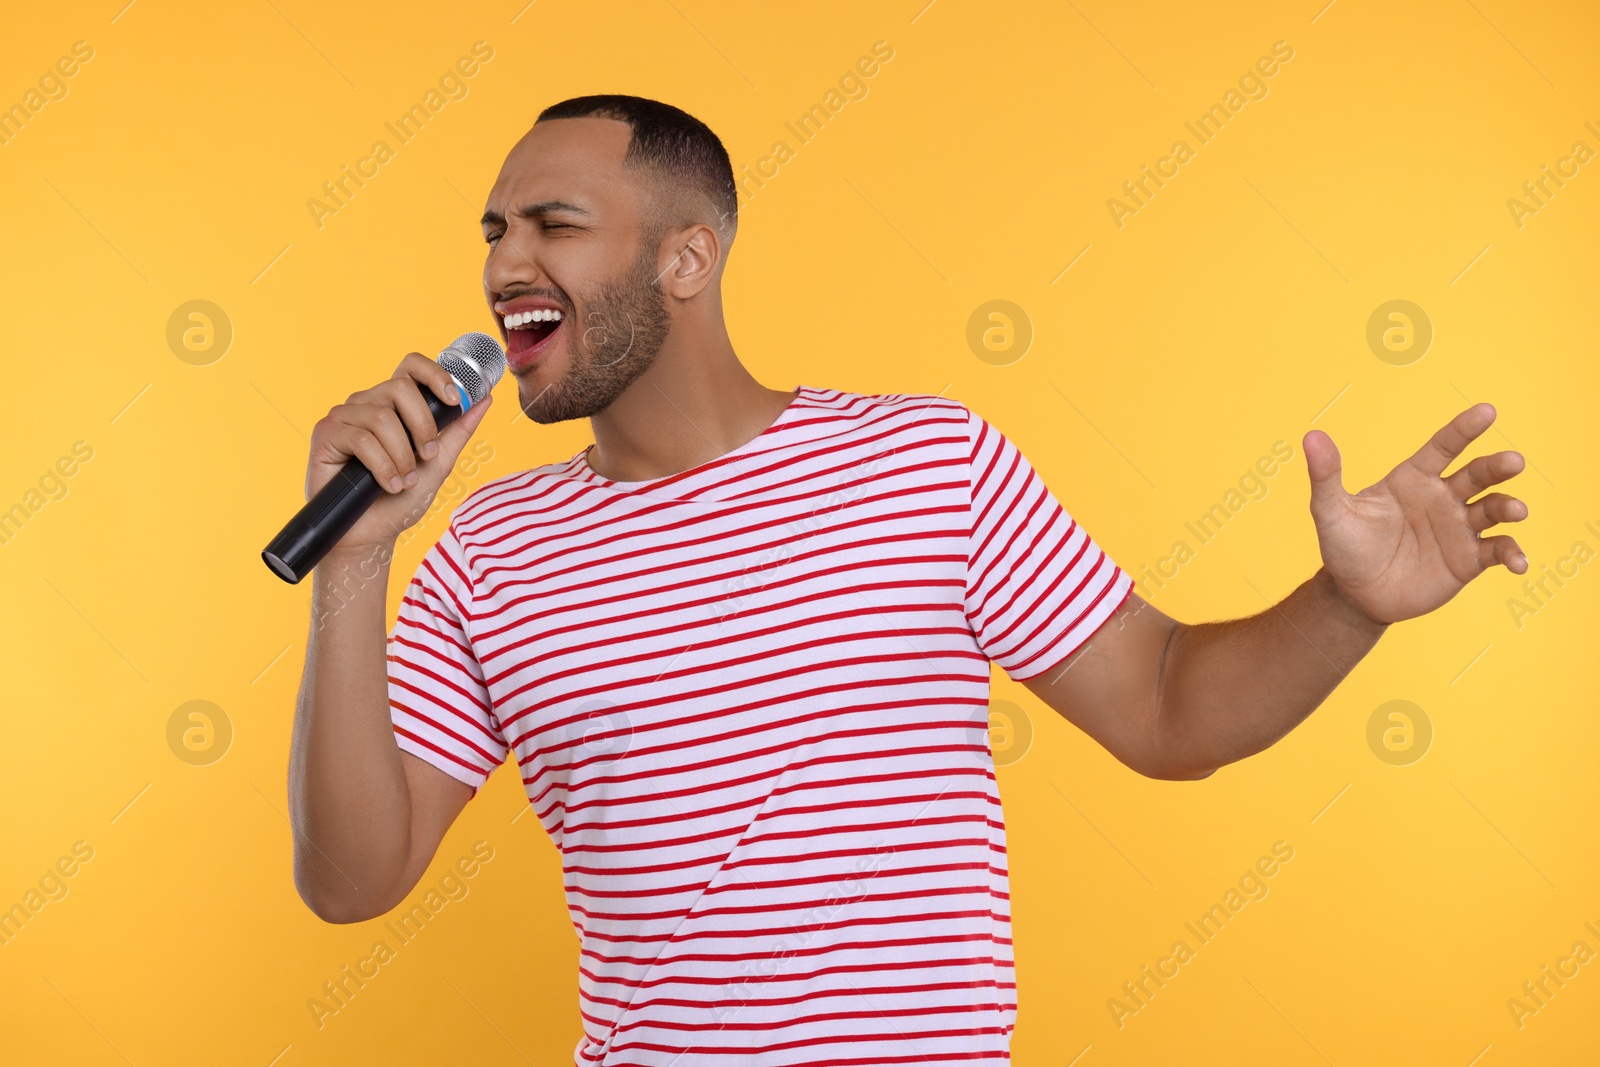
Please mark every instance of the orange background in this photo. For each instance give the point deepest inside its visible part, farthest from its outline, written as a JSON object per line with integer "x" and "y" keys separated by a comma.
{"x": 1228, "y": 313}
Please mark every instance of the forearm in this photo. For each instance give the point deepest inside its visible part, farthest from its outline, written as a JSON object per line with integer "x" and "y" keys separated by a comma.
{"x": 348, "y": 797}
{"x": 1230, "y": 689}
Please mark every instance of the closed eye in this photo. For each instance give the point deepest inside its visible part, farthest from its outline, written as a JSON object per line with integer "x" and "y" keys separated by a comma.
{"x": 493, "y": 237}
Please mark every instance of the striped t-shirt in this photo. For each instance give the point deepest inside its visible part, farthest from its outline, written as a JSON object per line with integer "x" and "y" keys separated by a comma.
{"x": 749, "y": 703}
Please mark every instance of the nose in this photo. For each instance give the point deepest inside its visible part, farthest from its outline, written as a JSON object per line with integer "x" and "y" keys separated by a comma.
{"x": 510, "y": 267}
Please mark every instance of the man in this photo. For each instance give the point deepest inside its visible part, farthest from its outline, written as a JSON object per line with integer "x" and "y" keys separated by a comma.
{"x": 739, "y": 647}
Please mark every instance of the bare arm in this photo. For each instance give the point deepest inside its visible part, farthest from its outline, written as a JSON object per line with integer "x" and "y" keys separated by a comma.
{"x": 1173, "y": 700}
{"x": 1234, "y": 688}
{"x": 367, "y": 817}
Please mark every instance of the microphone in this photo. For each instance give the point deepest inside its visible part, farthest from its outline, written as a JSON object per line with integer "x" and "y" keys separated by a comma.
{"x": 475, "y": 363}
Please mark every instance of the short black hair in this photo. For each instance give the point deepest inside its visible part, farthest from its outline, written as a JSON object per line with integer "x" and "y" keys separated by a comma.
{"x": 680, "y": 147}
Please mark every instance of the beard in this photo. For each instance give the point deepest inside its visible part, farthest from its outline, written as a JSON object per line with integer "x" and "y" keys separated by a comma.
{"x": 624, "y": 324}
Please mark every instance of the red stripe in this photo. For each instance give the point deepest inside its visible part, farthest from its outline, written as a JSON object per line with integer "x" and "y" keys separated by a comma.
{"x": 450, "y": 757}
{"x": 784, "y": 790}
{"x": 842, "y": 968}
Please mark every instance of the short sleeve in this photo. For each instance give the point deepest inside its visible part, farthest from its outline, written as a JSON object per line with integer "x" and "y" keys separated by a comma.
{"x": 1038, "y": 585}
{"x": 439, "y": 703}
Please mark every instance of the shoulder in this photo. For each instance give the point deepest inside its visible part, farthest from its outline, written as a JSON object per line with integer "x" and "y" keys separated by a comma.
{"x": 488, "y": 504}
{"x": 924, "y": 412}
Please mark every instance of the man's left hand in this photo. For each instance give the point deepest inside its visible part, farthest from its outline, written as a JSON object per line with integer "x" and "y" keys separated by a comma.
{"x": 1403, "y": 546}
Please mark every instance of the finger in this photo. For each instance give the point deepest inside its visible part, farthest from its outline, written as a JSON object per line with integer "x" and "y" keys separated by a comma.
{"x": 420, "y": 368}
{"x": 454, "y": 437}
{"x": 1452, "y": 439}
{"x": 407, "y": 400}
{"x": 1483, "y": 472}
{"x": 383, "y": 423}
{"x": 1328, "y": 497}
{"x": 365, "y": 446}
{"x": 1502, "y": 549}
{"x": 1494, "y": 508}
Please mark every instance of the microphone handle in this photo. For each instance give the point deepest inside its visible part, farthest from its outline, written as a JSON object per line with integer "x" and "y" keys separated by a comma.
{"x": 335, "y": 508}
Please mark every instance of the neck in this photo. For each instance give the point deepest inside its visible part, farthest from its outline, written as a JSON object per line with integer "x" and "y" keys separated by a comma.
{"x": 695, "y": 403}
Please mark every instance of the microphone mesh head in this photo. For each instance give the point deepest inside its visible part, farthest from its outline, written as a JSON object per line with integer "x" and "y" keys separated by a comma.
{"x": 476, "y": 362}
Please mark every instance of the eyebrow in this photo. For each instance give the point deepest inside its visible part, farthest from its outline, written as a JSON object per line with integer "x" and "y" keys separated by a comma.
{"x": 528, "y": 211}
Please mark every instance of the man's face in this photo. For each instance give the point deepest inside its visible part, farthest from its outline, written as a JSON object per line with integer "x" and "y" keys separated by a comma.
{"x": 579, "y": 250}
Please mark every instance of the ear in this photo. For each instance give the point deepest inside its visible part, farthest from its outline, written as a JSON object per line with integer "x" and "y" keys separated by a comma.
{"x": 688, "y": 260}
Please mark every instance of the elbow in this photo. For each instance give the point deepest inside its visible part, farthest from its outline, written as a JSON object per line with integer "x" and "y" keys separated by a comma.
{"x": 339, "y": 913}
{"x": 1166, "y": 770}
{"x": 1178, "y": 773}
{"x": 335, "y": 908}
{"x": 1174, "y": 767}
{"x": 1169, "y": 758}
{"x": 330, "y": 904}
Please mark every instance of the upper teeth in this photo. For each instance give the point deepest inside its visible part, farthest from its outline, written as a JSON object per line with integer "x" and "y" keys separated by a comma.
{"x": 522, "y": 318}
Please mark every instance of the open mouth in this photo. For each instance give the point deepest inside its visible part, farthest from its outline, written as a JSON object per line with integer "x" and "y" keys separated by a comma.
{"x": 529, "y": 333}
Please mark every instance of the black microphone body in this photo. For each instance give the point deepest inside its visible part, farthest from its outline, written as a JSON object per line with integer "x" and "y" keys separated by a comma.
{"x": 337, "y": 506}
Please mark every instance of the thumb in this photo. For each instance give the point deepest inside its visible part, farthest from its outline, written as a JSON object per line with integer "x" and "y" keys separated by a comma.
{"x": 1322, "y": 464}
{"x": 453, "y": 438}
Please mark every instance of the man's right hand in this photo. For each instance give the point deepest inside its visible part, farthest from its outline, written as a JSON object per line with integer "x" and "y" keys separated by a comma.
{"x": 371, "y": 426}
